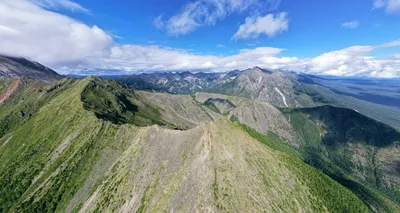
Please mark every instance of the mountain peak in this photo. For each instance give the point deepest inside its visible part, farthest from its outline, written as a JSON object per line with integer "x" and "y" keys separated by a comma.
{"x": 259, "y": 69}
{"x": 15, "y": 67}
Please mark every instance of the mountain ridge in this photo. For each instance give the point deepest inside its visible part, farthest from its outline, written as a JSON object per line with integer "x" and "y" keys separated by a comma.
{"x": 98, "y": 145}
{"x": 280, "y": 88}
{"x": 96, "y": 164}
{"x": 14, "y": 67}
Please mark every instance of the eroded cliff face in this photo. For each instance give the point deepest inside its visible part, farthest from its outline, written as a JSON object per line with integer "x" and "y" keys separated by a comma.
{"x": 157, "y": 152}
{"x": 215, "y": 167}
{"x": 8, "y": 88}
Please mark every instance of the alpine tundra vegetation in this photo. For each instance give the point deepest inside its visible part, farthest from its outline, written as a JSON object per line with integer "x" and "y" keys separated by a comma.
{"x": 97, "y": 145}
{"x": 200, "y": 106}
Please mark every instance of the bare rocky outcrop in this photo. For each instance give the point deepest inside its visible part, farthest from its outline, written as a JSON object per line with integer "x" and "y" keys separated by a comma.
{"x": 214, "y": 167}
{"x": 273, "y": 86}
{"x": 13, "y": 67}
{"x": 261, "y": 116}
{"x": 9, "y": 91}
{"x": 192, "y": 158}
{"x": 181, "y": 110}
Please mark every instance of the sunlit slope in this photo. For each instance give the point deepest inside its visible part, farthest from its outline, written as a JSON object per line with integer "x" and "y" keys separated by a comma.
{"x": 24, "y": 102}
{"x": 359, "y": 152}
{"x": 214, "y": 167}
{"x": 67, "y": 158}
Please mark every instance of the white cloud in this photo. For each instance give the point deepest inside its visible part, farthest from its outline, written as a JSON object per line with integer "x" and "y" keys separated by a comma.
{"x": 391, "y": 6}
{"x": 208, "y": 65}
{"x": 391, "y": 44}
{"x": 230, "y": 65}
{"x": 353, "y": 61}
{"x": 158, "y": 22}
{"x": 33, "y": 32}
{"x": 60, "y": 4}
{"x": 205, "y": 12}
{"x": 379, "y": 3}
{"x": 70, "y": 46}
{"x": 220, "y": 46}
{"x": 152, "y": 58}
{"x": 269, "y": 25}
{"x": 396, "y": 56}
{"x": 351, "y": 24}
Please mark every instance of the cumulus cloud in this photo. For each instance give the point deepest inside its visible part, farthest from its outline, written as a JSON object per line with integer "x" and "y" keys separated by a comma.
{"x": 60, "y": 4}
{"x": 354, "y": 61}
{"x": 351, "y": 24}
{"x": 269, "y": 25}
{"x": 390, "y": 6}
{"x": 153, "y": 58}
{"x": 30, "y": 31}
{"x": 205, "y": 12}
{"x": 70, "y": 46}
{"x": 351, "y": 61}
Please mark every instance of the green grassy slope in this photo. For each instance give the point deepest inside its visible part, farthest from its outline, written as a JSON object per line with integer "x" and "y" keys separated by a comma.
{"x": 84, "y": 147}
{"x": 355, "y": 150}
{"x": 114, "y": 102}
{"x": 4, "y": 85}
{"x": 23, "y": 104}
{"x": 319, "y": 184}
{"x": 352, "y": 149}
{"x": 237, "y": 174}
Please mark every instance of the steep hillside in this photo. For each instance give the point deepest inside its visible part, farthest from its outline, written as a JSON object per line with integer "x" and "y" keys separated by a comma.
{"x": 7, "y": 88}
{"x": 357, "y": 151}
{"x": 375, "y": 98}
{"x": 345, "y": 143}
{"x": 24, "y": 102}
{"x": 262, "y": 116}
{"x": 178, "y": 83}
{"x": 181, "y": 110}
{"x": 5, "y": 85}
{"x": 220, "y": 169}
{"x": 66, "y": 156}
{"x": 276, "y": 87}
{"x": 12, "y": 67}
{"x": 114, "y": 102}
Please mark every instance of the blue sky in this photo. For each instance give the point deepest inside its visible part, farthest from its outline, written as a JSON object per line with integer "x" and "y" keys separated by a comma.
{"x": 345, "y": 38}
{"x": 314, "y": 26}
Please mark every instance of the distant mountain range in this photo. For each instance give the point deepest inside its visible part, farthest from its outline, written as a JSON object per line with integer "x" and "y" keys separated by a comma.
{"x": 377, "y": 98}
{"x": 244, "y": 141}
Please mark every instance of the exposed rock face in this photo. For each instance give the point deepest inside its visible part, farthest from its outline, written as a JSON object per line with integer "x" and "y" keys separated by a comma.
{"x": 214, "y": 167}
{"x": 181, "y": 110}
{"x": 11, "y": 67}
{"x": 65, "y": 158}
{"x": 95, "y": 145}
{"x": 9, "y": 90}
{"x": 261, "y": 116}
{"x": 275, "y": 87}
{"x": 283, "y": 89}
{"x": 223, "y": 105}
{"x": 270, "y": 86}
